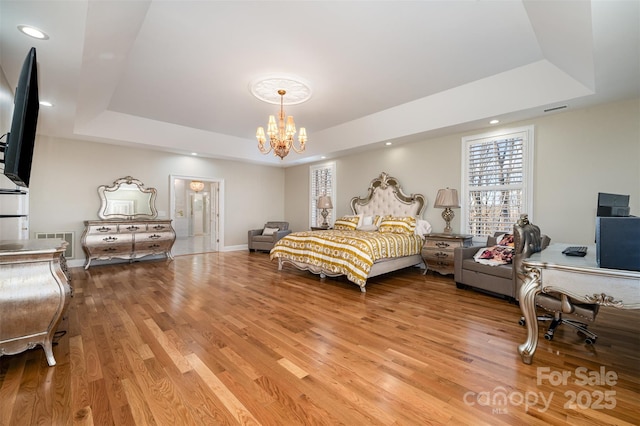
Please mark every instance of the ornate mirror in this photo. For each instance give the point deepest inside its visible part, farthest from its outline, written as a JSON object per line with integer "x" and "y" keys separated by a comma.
{"x": 127, "y": 198}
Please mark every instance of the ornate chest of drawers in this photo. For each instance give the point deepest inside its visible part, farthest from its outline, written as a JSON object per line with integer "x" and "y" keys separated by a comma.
{"x": 34, "y": 294}
{"x": 437, "y": 251}
{"x": 127, "y": 239}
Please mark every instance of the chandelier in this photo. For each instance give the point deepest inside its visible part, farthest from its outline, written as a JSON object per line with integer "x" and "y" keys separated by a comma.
{"x": 196, "y": 185}
{"x": 281, "y": 134}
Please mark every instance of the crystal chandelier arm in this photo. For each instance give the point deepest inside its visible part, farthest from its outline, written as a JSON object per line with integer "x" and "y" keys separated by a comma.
{"x": 298, "y": 150}
{"x": 261, "y": 141}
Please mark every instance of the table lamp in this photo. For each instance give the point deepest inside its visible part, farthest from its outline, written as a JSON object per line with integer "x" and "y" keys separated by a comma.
{"x": 446, "y": 199}
{"x": 324, "y": 203}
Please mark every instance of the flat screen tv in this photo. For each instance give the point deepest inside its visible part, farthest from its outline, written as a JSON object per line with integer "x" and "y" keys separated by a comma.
{"x": 18, "y": 151}
{"x": 612, "y": 205}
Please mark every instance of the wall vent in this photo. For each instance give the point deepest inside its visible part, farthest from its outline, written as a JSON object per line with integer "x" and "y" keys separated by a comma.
{"x": 67, "y": 236}
{"x": 555, "y": 108}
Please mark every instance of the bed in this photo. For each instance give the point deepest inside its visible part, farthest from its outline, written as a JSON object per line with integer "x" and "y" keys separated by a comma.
{"x": 392, "y": 241}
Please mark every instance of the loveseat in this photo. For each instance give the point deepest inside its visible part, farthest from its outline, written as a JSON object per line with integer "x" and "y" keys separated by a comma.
{"x": 501, "y": 280}
{"x": 265, "y": 238}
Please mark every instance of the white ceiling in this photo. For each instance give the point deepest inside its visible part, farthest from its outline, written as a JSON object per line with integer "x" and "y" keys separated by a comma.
{"x": 174, "y": 75}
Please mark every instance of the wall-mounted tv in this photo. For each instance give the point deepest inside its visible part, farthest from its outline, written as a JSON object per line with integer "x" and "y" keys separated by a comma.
{"x": 18, "y": 150}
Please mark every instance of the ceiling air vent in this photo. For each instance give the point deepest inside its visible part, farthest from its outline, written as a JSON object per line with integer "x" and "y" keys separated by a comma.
{"x": 555, "y": 108}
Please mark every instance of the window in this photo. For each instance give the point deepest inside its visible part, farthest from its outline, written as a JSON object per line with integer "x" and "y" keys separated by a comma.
{"x": 322, "y": 181}
{"x": 497, "y": 180}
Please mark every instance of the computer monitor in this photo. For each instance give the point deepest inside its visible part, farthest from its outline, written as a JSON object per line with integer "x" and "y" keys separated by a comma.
{"x": 612, "y": 205}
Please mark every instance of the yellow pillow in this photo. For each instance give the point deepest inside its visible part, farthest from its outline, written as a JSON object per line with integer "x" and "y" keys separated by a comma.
{"x": 346, "y": 223}
{"x": 398, "y": 225}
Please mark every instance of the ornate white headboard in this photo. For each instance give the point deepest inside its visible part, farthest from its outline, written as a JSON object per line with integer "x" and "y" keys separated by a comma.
{"x": 386, "y": 197}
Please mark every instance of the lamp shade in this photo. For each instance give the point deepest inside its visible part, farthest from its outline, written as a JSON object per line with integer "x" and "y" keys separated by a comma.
{"x": 324, "y": 202}
{"x": 447, "y": 198}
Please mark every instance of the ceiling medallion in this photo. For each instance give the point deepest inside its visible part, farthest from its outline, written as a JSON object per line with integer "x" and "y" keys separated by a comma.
{"x": 266, "y": 89}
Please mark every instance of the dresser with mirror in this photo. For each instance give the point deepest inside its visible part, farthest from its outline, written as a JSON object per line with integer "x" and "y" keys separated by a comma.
{"x": 128, "y": 227}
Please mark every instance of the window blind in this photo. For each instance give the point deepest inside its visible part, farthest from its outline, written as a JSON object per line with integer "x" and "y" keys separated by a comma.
{"x": 495, "y": 182}
{"x": 322, "y": 182}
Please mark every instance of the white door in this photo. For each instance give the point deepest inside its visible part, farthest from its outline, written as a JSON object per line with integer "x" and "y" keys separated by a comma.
{"x": 198, "y": 215}
{"x": 187, "y": 209}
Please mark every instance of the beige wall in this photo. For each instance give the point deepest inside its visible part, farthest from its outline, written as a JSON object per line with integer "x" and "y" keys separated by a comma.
{"x": 577, "y": 154}
{"x": 67, "y": 173}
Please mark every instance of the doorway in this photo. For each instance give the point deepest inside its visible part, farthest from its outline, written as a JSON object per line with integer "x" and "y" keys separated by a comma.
{"x": 196, "y": 211}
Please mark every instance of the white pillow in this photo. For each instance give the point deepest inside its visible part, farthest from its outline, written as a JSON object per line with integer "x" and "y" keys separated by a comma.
{"x": 423, "y": 227}
{"x": 270, "y": 231}
{"x": 370, "y": 227}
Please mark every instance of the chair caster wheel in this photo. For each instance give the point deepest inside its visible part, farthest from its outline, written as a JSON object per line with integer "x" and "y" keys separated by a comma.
{"x": 587, "y": 339}
{"x": 522, "y": 322}
{"x": 548, "y": 336}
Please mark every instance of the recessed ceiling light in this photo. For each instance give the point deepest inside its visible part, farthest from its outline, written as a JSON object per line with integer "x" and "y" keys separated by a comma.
{"x": 388, "y": 143}
{"x": 194, "y": 153}
{"x": 494, "y": 121}
{"x": 46, "y": 103}
{"x": 33, "y": 32}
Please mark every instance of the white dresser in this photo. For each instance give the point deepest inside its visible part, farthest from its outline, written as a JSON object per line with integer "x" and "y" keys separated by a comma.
{"x": 126, "y": 239}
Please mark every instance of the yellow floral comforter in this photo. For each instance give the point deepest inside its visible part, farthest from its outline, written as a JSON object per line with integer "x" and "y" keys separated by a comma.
{"x": 349, "y": 253}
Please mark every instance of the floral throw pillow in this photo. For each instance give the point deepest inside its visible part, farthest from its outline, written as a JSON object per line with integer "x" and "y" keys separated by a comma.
{"x": 494, "y": 255}
{"x": 505, "y": 240}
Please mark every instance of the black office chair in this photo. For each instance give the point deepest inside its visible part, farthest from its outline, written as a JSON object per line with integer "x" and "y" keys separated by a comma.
{"x": 559, "y": 306}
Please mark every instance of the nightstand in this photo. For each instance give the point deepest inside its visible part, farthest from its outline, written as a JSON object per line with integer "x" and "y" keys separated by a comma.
{"x": 437, "y": 251}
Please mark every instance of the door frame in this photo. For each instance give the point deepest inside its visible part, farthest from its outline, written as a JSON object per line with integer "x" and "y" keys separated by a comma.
{"x": 216, "y": 199}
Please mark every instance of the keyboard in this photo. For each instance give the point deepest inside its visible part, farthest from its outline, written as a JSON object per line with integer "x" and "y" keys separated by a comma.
{"x": 575, "y": 251}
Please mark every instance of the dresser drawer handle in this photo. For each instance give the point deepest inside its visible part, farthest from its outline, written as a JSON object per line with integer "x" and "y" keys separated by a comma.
{"x": 442, "y": 244}
{"x": 154, "y": 246}
{"x": 110, "y": 249}
{"x": 103, "y": 229}
{"x": 441, "y": 254}
{"x": 110, "y": 239}
{"x": 155, "y": 236}
{"x": 158, "y": 227}
{"x": 132, "y": 228}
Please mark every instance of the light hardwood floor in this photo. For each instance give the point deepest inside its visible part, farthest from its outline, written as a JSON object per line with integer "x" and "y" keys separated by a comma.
{"x": 225, "y": 338}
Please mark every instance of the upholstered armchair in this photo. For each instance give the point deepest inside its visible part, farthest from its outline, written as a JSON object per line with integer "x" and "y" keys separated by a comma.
{"x": 502, "y": 280}
{"x": 265, "y": 238}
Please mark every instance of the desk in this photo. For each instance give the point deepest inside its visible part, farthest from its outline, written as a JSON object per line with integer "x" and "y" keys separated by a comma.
{"x": 579, "y": 278}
